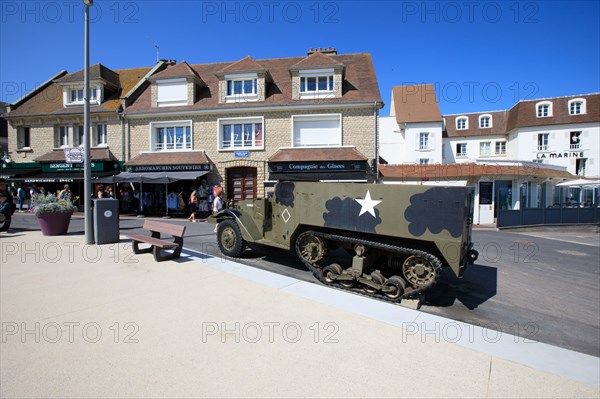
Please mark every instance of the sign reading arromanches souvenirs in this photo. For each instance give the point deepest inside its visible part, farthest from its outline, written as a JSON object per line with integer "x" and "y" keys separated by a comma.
{"x": 168, "y": 168}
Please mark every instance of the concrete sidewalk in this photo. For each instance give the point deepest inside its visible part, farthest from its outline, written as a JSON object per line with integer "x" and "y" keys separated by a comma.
{"x": 98, "y": 321}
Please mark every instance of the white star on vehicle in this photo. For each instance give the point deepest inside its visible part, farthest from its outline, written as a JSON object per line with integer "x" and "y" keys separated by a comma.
{"x": 367, "y": 204}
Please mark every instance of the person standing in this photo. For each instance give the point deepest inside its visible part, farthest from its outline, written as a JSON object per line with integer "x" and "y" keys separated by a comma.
{"x": 21, "y": 196}
{"x": 218, "y": 205}
{"x": 65, "y": 193}
{"x": 193, "y": 206}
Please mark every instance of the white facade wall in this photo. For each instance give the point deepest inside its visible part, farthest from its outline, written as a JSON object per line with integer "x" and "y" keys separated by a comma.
{"x": 399, "y": 144}
{"x": 559, "y": 151}
{"x": 413, "y": 154}
{"x": 391, "y": 140}
{"x": 473, "y": 149}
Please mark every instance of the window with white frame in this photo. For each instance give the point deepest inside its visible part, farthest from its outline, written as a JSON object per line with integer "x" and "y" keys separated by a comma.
{"x": 462, "y": 123}
{"x": 75, "y": 95}
{"x": 500, "y": 148}
{"x": 485, "y": 148}
{"x": 317, "y": 130}
{"x": 543, "y": 109}
{"x": 423, "y": 141}
{"x": 461, "y": 149}
{"x": 171, "y": 92}
{"x": 543, "y": 141}
{"x": 485, "y": 121}
{"x": 577, "y": 106}
{"x": 241, "y": 133}
{"x": 62, "y": 136}
{"x": 23, "y": 138}
{"x": 242, "y": 88}
{"x": 78, "y": 137}
{"x": 169, "y": 136}
{"x": 100, "y": 138}
{"x": 423, "y": 161}
{"x": 317, "y": 83}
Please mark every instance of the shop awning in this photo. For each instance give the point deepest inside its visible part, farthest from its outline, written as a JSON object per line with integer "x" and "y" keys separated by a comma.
{"x": 151, "y": 177}
{"x": 65, "y": 177}
{"x": 580, "y": 183}
{"x": 16, "y": 173}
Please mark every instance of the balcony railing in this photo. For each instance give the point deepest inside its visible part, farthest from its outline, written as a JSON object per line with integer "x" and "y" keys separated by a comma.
{"x": 575, "y": 146}
{"x": 543, "y": 147}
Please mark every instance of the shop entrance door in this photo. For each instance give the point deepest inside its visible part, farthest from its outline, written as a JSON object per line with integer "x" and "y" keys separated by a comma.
{"x": 241, "y": 184}
{"x": 503, "y": 196}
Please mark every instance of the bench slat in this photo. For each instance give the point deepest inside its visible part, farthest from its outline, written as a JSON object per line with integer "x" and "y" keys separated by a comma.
{"x": 166, "y": 228}
{"x": 153, "y": 241}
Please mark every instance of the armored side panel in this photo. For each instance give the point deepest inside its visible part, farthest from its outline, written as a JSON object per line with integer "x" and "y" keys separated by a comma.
{"x": 402, "y": 214}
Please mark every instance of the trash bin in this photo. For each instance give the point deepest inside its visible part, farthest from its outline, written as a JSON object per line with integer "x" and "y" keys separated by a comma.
{"x": 106, "y": 221}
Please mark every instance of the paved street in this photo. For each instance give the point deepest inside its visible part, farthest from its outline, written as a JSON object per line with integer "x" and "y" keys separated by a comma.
{"x": 540, "y": 285}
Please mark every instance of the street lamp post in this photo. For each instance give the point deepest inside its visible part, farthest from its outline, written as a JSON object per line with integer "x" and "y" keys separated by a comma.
{"x": 87, "y": 162}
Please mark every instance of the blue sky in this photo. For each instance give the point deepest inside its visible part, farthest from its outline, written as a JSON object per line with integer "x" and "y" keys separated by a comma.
{"x": 481, "y": 55}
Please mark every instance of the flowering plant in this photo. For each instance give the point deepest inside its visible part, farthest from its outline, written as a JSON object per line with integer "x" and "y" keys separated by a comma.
{"x": 51, "y": 204}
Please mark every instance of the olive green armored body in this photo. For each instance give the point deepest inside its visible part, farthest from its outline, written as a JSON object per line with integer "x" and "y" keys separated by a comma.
{"x": 396, "y": 237}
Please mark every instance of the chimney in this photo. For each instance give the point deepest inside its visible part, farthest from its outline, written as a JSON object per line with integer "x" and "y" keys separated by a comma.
{"x": 328, "y": 50}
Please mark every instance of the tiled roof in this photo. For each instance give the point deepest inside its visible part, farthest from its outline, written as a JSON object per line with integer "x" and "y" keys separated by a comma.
{"x": 523, "y": 114}
{"x": 49, "y": 99}
{"x": 316, "y": 59}
{"x": 360, "y": 85}
{"x": 97, "y": 154}
{"x": 246, "y": 64}
{"x": 416, "y": 104}
{"x": 317, "y": 154}
{"x": 183, "y": 69}
{"x": 498, "y": 125}
{"x": 97, "y": 71}
{"x": 464, "y": 171}
{"x": 170, "y": 158}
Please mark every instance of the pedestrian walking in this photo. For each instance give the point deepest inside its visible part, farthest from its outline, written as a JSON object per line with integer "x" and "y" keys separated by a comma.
{"x": 218, "y": 205}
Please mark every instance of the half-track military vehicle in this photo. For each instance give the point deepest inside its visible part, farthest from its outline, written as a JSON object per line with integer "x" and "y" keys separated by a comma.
{"x": 399, "y": 236}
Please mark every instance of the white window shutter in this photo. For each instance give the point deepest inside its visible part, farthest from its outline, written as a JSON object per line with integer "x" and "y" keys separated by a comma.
{"x": 431, "y": 141}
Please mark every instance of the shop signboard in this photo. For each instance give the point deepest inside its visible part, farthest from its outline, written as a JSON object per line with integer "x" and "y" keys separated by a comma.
{"x": 168, "y": 168}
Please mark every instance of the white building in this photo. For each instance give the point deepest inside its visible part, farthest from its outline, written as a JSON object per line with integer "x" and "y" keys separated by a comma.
{"x": 514, "y": 158}
{"x": 413, "y": 131}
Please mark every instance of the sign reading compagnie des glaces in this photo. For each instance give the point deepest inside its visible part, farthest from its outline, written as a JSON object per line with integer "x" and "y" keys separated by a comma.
{"x": 74, "y": 154}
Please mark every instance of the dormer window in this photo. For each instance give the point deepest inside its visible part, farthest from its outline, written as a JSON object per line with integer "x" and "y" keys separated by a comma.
{"x": 171, "y": 92}
{"x": 577, "y": 106}
{"x": 462, "y": 123}
{"x": 74, "y": 95}
{"x": 543, "y": 109}
{"x": 242, "y": 88}
{"x": 485, "y": 121}
{"x": 317, "y": 83}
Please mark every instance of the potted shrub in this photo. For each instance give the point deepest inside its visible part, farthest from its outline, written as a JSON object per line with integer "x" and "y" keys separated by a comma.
{"x": 54, "y": 215}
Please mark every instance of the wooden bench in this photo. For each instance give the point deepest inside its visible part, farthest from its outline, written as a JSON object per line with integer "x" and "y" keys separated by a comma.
{"x": 156, "y": 244}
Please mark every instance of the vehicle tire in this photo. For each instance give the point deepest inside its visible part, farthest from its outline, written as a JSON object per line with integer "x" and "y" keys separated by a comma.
{"x": 229, "y": 238}
{"x": 398, "y": 284}
{"x": 5, "y": 224}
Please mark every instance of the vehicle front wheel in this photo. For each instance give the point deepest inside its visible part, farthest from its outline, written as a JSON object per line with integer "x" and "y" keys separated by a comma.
{"x": 229, "y": 238}
{"x": 4, "y": 223}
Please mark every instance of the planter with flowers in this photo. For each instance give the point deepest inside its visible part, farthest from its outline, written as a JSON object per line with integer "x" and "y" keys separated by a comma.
{"x": 53, "y": 214}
